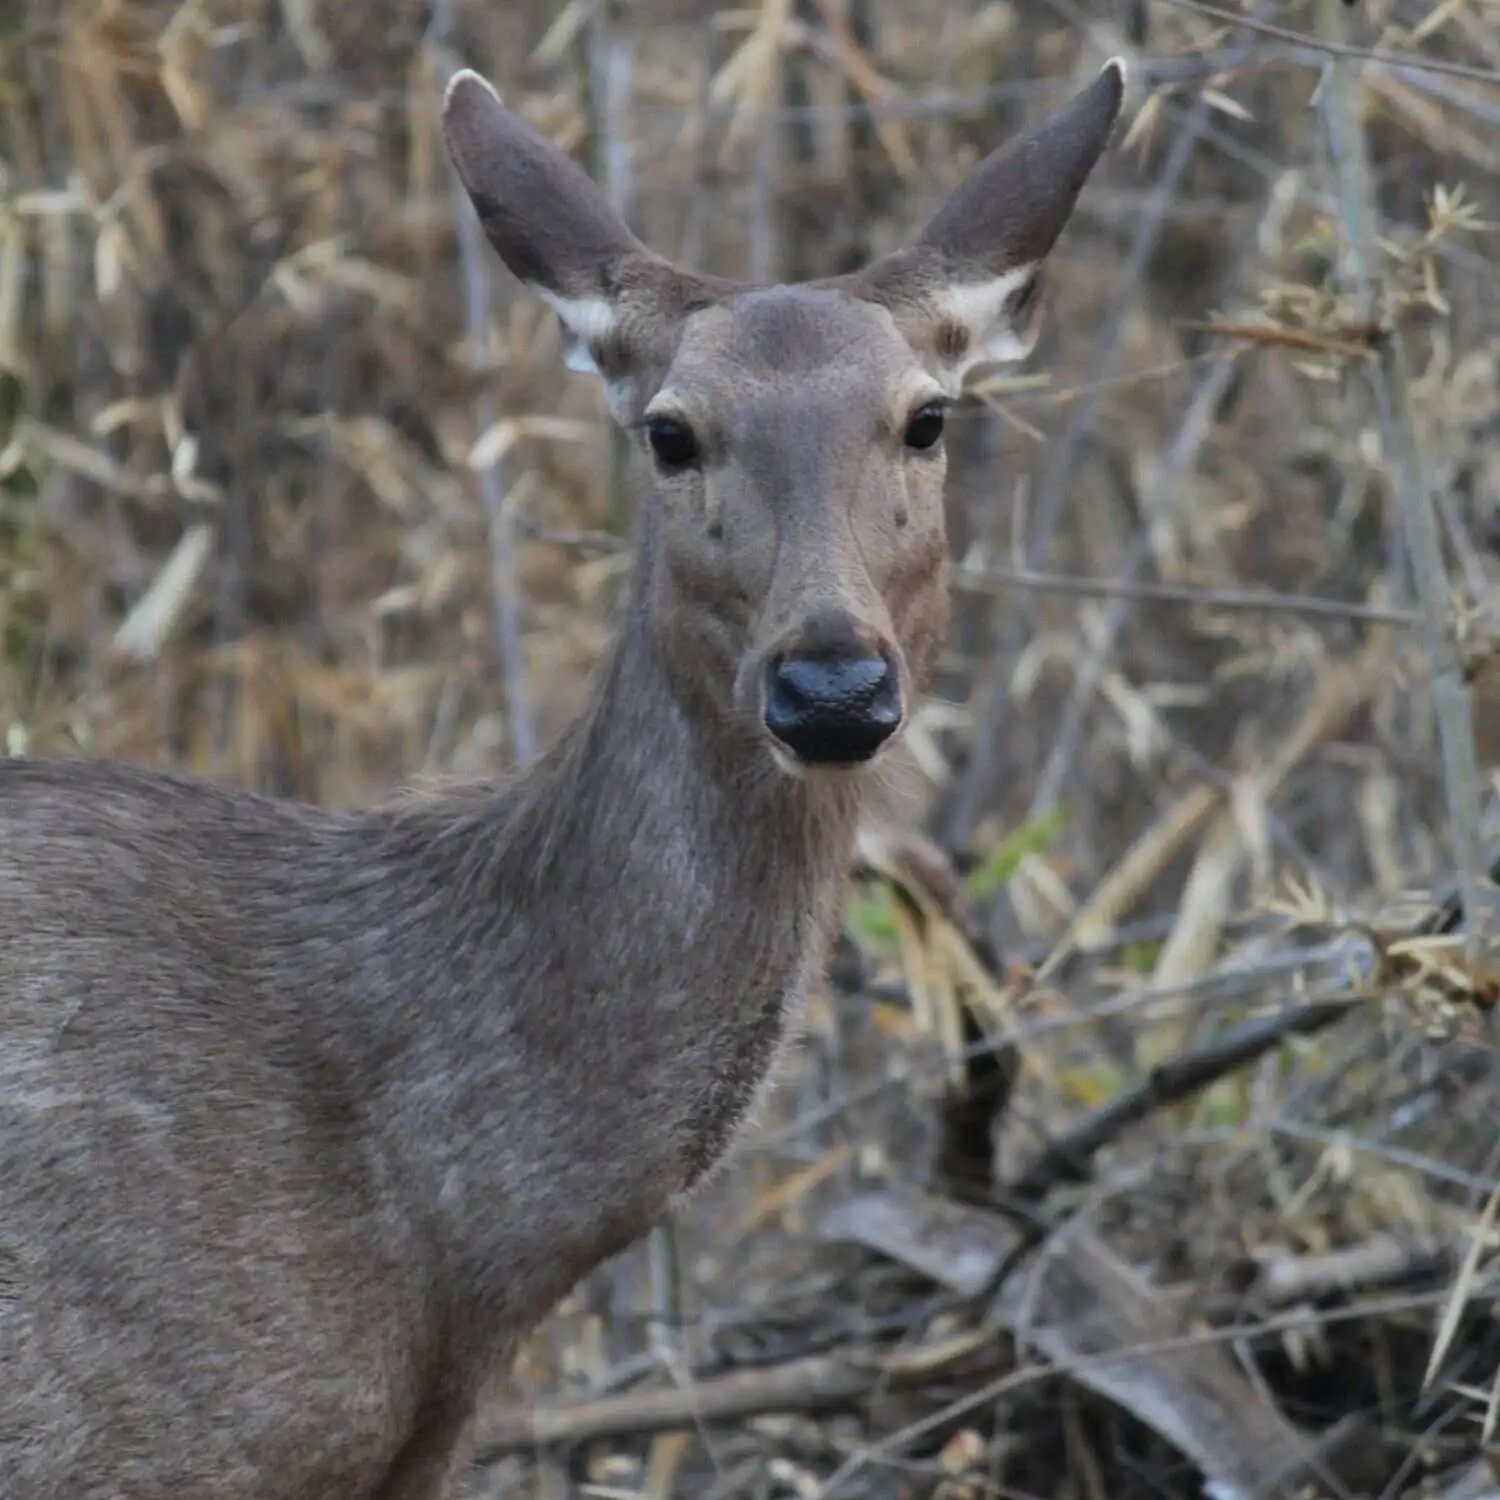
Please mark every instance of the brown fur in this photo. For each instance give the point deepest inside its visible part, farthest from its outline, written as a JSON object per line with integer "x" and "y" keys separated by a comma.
{"x": 307, "y": 1118}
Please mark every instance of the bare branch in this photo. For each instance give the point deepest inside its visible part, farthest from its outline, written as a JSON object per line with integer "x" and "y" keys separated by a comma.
{"x": 1392, "y": 390}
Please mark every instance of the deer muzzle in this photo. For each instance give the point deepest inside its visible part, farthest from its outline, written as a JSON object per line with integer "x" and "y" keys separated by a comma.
{"x": 831, "y": 705}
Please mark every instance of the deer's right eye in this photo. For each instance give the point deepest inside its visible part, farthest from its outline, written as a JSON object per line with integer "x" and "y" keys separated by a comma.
{"x": 672, "y": 442}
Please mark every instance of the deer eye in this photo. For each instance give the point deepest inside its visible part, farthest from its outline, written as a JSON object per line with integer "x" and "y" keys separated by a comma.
{"x": 672, "y": 442}
{"x": 925, "y": 425}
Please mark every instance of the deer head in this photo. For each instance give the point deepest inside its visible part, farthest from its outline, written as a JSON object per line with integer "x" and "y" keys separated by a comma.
{"x": 796, "y": 587}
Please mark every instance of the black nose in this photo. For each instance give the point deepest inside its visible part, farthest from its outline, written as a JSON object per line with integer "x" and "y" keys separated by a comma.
{"x": 832, "y": 708}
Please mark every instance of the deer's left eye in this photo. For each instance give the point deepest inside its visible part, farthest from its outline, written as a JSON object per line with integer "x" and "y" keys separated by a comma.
{"x": 925, "y": 425}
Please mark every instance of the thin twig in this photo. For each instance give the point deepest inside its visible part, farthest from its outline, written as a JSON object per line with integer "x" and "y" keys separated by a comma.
{"x": 505, "y": 613}
{"x": 1384, "y": 1260}
{"x": 1326, "y": 966}
{"x": 1070, "y": 1157}
{"x": 974, "y": 786}
{"x": 822, "y": 1383}
{"x": 1298, "y": 1321}
{"x": 1166, "y": 497}
{"x": 1255, "y": 601}
{"x": 1335, "y": 46}
{"x": 1392, "y": 391}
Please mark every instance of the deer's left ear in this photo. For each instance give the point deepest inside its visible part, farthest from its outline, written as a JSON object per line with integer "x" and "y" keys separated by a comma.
{"x": 968, "y": 291}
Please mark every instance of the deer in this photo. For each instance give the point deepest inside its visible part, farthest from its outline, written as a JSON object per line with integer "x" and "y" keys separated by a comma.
{"x": 309, "y": 1117}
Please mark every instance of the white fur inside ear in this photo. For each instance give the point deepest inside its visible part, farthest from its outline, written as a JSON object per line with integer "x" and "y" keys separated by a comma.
{"x": 587, "y": 320}
{"x": 578, "y": 359}
{"x": 980, "y": 306}
{"x": 619, "y": 399}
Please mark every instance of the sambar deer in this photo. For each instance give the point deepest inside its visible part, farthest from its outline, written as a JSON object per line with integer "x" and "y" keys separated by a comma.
{"x": 307, "y": 1118}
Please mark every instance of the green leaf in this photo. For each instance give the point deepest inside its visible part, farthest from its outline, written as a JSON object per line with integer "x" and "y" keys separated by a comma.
{"x": 12, "y": 404}
{"x": 1140, "y": 958}
{"x": 991, "y": 877}
{"x": 870, "y": 912}
{"x": 1221, "y": 1107}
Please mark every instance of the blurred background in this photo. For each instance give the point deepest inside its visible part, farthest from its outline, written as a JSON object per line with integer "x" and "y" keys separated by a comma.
{"x": 1143, "y": 965}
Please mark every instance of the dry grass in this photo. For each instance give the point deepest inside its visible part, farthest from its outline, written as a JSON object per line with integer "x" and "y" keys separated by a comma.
{"x": 295, "y": 492}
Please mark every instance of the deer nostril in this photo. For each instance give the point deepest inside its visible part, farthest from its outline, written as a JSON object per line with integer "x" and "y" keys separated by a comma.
{"x": 832, "y": 710}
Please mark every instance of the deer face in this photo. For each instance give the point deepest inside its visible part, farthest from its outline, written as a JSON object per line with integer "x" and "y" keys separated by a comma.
{"x": 796, "y": 445}
{"x": 793, "y": 434}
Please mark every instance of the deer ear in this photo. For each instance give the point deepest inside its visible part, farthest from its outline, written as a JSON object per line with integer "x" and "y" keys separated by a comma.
{"x": 968, "y": 291}
{"x": 551, "y": 226}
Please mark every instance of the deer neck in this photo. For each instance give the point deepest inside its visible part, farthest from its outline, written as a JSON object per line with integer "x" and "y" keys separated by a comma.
{"x": 624, "y": 945}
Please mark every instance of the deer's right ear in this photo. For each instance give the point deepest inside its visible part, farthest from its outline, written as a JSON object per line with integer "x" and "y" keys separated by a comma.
{"x": 548, "y": 222}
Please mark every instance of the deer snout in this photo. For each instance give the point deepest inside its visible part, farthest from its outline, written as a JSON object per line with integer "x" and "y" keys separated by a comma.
{"x": 832, "y": 705}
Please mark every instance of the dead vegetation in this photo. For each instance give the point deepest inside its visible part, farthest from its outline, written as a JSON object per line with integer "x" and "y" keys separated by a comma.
{"x": 1145, "y": 1137}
